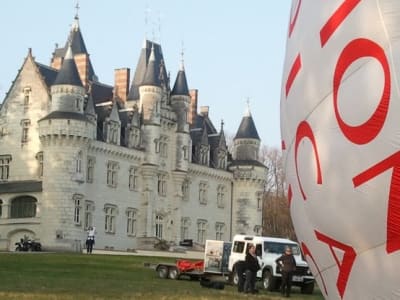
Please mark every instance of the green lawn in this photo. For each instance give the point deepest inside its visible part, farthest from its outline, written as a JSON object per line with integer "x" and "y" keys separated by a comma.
{"x": 80, "y": 276}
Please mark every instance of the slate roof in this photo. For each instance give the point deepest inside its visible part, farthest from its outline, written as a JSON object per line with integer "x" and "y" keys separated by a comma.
{"x": 75, "y": 39}
{"x": 180, "y": 86}
{"x": 65, "y": 115}
{"x": 68, "y": 73}
{"x": 246, "y": 162}
{"x": 49, "y": 74}
{"x": 141, "y": 68}
{"x": 247, "y": 129}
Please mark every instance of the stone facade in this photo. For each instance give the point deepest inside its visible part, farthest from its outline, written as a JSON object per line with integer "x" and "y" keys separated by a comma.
{"x": 137, "y": 162}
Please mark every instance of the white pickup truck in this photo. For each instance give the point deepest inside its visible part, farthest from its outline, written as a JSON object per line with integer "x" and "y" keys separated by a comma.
{"x": 268, "y": 249}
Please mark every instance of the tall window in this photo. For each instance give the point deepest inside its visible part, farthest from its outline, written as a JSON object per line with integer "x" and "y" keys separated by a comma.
{"x": 257, "y": 230}
{"x": 203, "y": 193}
{"x": 185, "y": 222}
{"x": 27, "y": 95}
{"x": 113, "y": 132}
{"x": 89, "y": 208}
{"x": 185, "y": 152}
{"x": 221, "y": 196}
{"x": 185, "y": 190}
{"x": 201, "y": 231}
{"x": 1, "y": 208}
{"x": 112, "y": 168}
{"x": 133, "y": 179}
{"x": 204, "y": 155}
{"x": 77, "y": 198}
{"x": 23, "y": 207}
{"x": 219, "y": 231}
{"x": 259, "y": 196}
{"x": 162, "y": 184}
{"x": 25, "y": 130}
{"x": 90, "y": 169}
{"x": 4, "y": 167}
{"x": 159, "y": 226}
{"x": 221, "y": 159}
{"x": 110, "y": 218}
{"x": 163, "y": 144}
{"x": 78, "y": 162}
{"x": 39, "y": 157}
{"x": 131, "y": 224}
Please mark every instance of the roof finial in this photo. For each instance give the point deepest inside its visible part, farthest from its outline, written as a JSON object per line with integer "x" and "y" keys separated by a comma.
{"x": 77, "y": 9}
{"x": 182, "y": 68}
{"x": 247, "y": 111}
{"x": 75, "y": 25}
{"x": 222, "y": 124}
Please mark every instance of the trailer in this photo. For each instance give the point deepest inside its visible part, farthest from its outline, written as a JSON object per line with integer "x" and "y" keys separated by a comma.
{"x": 214, "y": 266}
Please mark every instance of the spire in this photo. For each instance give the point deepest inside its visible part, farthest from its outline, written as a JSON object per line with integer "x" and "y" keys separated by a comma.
{"x": 89, "y": 110}
{"x": 152, "y": 72}
{"x": 68, "y": 73}
{"x": 114, "y": 116}
{"x": 75, "y": 25}
{"x": 247, "y": 128}
{"x": 222, "y": 141}
{"x": 181, "y": 86}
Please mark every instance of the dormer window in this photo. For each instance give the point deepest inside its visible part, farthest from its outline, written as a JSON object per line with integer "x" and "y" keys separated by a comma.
{"x": 27, "y": 95}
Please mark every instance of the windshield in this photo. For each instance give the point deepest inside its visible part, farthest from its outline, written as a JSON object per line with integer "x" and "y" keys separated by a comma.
{"x": 279, "y": 248}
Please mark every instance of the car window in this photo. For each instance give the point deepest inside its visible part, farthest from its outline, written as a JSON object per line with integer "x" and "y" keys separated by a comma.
{"x": 238, "y": 247}
{"x": 279, "y": 248}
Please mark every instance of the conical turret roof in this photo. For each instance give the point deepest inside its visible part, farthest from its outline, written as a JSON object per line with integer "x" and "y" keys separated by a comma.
{"x": 181, "y": 86}
{"x": 247, "y": 128}
{"x": 152, "y": 73}
{"x": 68, "y": 73}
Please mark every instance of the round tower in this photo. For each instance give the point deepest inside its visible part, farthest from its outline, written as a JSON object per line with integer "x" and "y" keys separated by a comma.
{"x": 180, "y": 100}
{"x": 249, "y": 177}
{"x": 150, "y": 107}
{"x": 64, "y": 134}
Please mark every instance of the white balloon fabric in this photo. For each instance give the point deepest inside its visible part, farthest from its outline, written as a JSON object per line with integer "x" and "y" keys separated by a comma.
{"x": 340, "y": 127}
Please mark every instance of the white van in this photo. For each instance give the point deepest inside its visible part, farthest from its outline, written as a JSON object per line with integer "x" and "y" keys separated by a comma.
{"x": 268, "y": 249}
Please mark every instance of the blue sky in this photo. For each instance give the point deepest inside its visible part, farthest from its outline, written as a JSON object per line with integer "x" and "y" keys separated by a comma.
{"x": 233, "y": 50}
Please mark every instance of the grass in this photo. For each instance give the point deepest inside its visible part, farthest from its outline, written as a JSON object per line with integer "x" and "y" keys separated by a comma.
{"x": 36, "y": 276}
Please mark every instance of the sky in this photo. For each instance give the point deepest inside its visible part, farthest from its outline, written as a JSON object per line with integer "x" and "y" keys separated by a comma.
{"x": 233, "y": 51}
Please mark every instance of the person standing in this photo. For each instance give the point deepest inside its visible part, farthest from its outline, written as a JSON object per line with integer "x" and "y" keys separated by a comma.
{"x": 252, "y": 266}
{"x": 288, "y": 265}
{"x": 90, "y": 239}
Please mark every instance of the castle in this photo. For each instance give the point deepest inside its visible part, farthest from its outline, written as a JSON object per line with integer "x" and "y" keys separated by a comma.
{"x": 138, "y": 160}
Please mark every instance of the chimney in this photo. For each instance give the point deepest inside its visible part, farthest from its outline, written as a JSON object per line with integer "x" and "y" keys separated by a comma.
{"x": 204, "y": 110}
{"x": 193, "y": 105}
{"x": 121, "y": 82}
{"x": 82, "y": 64}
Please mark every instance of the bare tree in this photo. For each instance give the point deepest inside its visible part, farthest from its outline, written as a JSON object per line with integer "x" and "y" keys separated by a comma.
{"x": 276, "y": 215}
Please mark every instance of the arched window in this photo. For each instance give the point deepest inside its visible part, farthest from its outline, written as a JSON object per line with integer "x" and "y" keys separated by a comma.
{"x": 23, "y": 207}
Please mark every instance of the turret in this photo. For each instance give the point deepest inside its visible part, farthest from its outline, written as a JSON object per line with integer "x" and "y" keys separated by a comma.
{"x": 67, "y": 91}
{"x": 246, "y": 143}
{"x": 180, "y": 100}
{"x": 150, "y": 92}
{"x": 64, "y": 135}
{"x": 150, "y": 105}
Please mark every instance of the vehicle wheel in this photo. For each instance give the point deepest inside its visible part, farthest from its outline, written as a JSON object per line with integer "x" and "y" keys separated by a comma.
{"x": 162, "y": 272}
{"x": 173, "y": 273}
{"x": 307, "y": 288}
{"x": 18, "y": 248}
{"x": 269, "y": 281}
{"x": 235, "y": 277}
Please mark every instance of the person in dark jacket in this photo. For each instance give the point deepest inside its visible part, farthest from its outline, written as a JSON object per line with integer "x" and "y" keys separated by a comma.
{"x": 252, "y": 266}
{"x": 240, "y": 269}
{"x": 288, "y": 265}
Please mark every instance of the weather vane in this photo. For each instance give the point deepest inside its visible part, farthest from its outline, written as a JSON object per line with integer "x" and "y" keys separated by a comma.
{"x": 77, "y": 8}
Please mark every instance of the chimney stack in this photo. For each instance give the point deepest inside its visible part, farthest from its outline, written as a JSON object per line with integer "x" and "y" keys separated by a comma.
{"x": 121, "y": 82}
